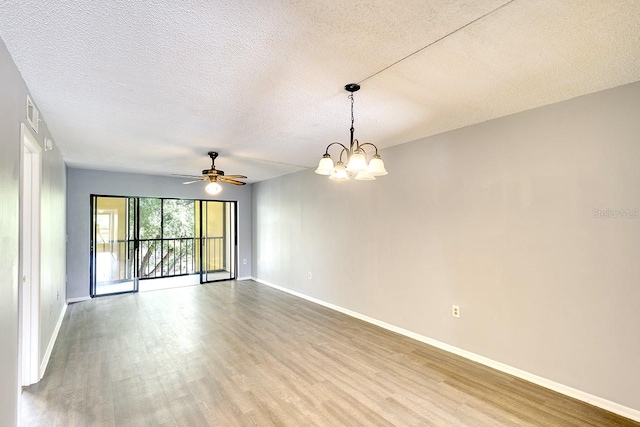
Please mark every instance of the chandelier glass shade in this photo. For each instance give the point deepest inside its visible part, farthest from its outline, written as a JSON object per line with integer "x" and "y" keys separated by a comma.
{"x": 356, "y": 165}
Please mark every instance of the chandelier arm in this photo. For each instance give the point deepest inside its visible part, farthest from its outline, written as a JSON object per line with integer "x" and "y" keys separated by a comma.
{"x": 335, "y": 143}
{"x": 367, "y": 143}
{"x": 343, "y": 150}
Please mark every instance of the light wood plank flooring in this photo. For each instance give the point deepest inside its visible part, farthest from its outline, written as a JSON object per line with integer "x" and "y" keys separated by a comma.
{"x": 239, "y": 353}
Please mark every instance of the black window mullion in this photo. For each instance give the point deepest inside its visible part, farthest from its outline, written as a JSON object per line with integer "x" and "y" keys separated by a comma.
{"x": 161, "y": 237}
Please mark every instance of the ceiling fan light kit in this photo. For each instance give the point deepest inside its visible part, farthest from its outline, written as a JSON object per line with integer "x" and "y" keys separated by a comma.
{"x": 355, "y": 155}
{"x": 215, "y": 177}
{"x": 213, "y": 188}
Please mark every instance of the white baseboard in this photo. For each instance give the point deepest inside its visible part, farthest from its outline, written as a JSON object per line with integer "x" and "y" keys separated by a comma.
{"x": 78, "y": 299}
{"x": 600, "y": 402}
{"x": 52, "y": 341}
{"x": 240, "y": 279}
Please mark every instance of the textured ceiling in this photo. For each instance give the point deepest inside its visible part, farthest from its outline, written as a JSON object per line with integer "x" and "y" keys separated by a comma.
{"x": 151, "y": 86}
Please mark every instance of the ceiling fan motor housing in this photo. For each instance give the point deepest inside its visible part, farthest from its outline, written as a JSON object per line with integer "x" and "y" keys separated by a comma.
{"x": 212, "y": 172}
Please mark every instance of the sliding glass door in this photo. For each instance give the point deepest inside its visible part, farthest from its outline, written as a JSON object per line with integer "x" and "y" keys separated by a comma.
{"x": 217, "y": 241}
{"x": 144, "y": 243}
{"x": 168, "y": 243}
{"x": 113, "y": 245}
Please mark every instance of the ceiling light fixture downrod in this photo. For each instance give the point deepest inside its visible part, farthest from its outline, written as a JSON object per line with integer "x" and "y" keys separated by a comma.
{"x": 355, "y": 156}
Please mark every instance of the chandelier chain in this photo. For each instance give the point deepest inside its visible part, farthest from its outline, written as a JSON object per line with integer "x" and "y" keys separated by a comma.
{"x": 351, "y": 97}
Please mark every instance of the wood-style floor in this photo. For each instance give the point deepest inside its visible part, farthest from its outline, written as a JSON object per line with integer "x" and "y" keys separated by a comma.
{"x": 229, "y": 354}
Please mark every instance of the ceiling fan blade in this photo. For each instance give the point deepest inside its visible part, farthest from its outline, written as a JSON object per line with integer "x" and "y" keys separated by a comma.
{"x": 195, "y": 180}
{"x": 236, "y": 176}
{"x": 231, "y": 181}
{"x": 186, "y": 176}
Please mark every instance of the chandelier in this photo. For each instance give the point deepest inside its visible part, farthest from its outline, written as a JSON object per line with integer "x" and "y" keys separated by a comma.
{"x": 355, "y": 156}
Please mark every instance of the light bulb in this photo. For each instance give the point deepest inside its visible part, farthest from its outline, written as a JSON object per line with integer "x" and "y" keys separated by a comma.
{"x": 340, "y": 173}
{"x": 357, "y": 162}
{"x": 213, "y": 188}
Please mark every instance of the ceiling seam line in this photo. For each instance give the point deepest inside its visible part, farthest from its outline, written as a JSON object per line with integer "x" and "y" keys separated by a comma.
{"x": 436, "y": 41}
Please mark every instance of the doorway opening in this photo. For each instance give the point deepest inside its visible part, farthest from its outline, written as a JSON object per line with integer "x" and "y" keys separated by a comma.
{"x": 145, "y": 243}
{"x": 29, "y": 277}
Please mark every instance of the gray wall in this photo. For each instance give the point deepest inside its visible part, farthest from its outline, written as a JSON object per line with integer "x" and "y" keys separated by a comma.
{"x": 82, "y": 183}
{"x": 53, "y": 253}
{"x": 497, "y": 218}
{"x": 13, "y": 93}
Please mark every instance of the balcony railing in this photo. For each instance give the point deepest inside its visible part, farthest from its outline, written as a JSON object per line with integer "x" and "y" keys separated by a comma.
{"x": 158, "y": 257}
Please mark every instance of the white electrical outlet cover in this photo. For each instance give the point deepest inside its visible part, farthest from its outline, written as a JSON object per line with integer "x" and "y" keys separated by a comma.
{"x": 455, "y": 311}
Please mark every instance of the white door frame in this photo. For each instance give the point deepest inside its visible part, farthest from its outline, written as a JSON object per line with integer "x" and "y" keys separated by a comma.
{"x": 29, "y": 279}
